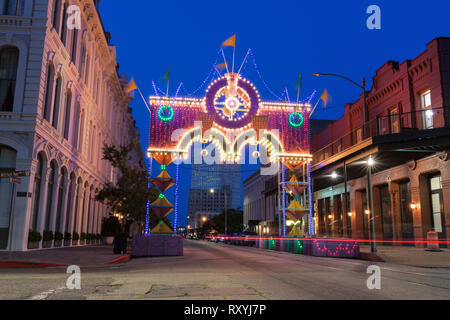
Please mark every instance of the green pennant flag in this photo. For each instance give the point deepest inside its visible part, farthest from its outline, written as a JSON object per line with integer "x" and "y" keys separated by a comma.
{"x": 299, "y": 83}
{"x": 167, "y": 75}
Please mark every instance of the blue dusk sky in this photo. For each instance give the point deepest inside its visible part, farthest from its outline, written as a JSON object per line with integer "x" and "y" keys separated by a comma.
{"x": 286, "y": 37}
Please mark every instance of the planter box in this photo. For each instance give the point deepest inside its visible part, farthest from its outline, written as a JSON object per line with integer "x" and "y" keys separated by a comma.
{"x": 336, "y": 249}
{"x": 82, "y": 242}
{"x": 67, "y": 243}
{"x": 157, "y": 245}
{"x": 47, "y": 244}
{"x": 33, "y": 244}
{"x": 58, "y": 243}
{"x": 108, "y": 240}
{"x": 75, "y": 242}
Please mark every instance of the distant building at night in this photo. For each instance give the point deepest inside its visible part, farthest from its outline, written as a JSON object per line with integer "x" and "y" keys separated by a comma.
{"x": 408, "y": 137}
{"x": 60, "y": 99}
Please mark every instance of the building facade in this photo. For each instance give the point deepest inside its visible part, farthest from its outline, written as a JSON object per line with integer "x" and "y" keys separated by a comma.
{"x": 261, "y": 204}
{"x": 60, "y": 99}
{"x": 407, "y": 135}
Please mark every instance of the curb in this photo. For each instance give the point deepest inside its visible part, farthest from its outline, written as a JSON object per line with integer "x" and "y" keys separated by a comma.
{"x": 22, "y": 265}
{"x": 370, "y": 256}
{"x": 120, "y": 259}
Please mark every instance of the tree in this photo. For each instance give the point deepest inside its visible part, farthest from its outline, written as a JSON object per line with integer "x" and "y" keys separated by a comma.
{"x": 130, "y": 195}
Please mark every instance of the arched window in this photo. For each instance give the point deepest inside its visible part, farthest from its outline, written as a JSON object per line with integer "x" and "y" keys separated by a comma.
{"x": 49, "y": 92}
{"x": 9, "y": 59}
{"x": 82, "y": 68}
{"x": 75, "y": 213}
{"x": 7, "y": 164}
{"x": 50, "y": 185}
{"x": 37, "y": 192}
{"x": 57, "y": 102}
{"x": 76, "y": 126}
{"x": 14, "y": 7}
{"x": 66, "y": 123}
{"x": 64, "y": 25}
{"x": 59, "y": 208}
{"x": 57, "y": 15}
{"x": 70, "y": 199}
{"x": 74, "y": 46}
{"x": 86, "y": 73}
{"x": 81, "y": 134}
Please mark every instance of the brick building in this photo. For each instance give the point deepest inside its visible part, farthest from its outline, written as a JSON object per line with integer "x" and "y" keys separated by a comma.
{"x": 408, "y": 136}
{"x": 60, "y": 99}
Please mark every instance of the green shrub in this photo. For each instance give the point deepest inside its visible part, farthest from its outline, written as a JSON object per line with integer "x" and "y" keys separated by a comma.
{"x": 83, "y": 236}
{"x": 48, "y": 235}
{"x": 67, "y": 236}
{"x": 99, "y": 236}
{"x": 75, "y": 236}
{"x": 34, "y": 236}
{"x": 58, "y": 236}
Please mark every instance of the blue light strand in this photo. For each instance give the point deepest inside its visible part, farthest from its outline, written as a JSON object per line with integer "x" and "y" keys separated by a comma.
{"x": 176, "y": 198}
{"x": 284, "y": 198}
{"x": 207, "y": 80}
{"x": 311, "y": 219}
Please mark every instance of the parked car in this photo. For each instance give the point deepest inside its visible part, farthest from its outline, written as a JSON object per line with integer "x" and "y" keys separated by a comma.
{"x": 212, "y": 237}
{"x": 245, "y": 238}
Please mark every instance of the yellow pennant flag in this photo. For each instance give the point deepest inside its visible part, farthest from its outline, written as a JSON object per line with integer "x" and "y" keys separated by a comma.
{"x": 221, "y": 66}
{"x": 131, "y": 86}
{"x": 230, "y": 42}
{"x": 325, "y": 97}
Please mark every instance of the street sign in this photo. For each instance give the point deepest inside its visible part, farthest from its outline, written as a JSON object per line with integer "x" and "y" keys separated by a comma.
{"x": 15, "y": 180}
{"x": 14, "y": 174}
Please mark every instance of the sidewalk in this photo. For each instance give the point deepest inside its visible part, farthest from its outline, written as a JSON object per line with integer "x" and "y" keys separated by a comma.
{"x": 411, "y": 256}
{"x": 86, "y": 256}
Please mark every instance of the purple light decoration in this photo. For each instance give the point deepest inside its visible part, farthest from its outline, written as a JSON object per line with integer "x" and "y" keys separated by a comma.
{"x": 176, "y": 200}
{"x": 311, "y": 220}
{"x": 254, "y": 101}
{"x": 284, "y": 198}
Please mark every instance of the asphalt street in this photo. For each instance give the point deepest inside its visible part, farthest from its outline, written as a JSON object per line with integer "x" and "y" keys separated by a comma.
{"x": 218, "y": 271}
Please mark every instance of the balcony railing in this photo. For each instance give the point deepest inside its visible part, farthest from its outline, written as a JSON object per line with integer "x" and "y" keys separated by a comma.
{"x": 420, "y": 120}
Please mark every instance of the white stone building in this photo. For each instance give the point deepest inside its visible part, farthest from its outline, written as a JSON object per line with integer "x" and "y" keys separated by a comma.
{"x": 60, "y": 99}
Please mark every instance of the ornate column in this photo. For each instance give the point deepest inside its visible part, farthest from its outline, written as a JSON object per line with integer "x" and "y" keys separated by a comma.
{"x": 416, "y": 197}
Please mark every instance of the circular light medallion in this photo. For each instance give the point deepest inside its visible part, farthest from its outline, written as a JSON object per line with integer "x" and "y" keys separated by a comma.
{"x": 256, "y": 154}
{"x": 296, "y": 119}
{"x": 166, "y": 113}
{"x": 232, "y": 103}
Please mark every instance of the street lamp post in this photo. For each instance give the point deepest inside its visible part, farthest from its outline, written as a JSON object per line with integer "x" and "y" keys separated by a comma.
{"x": 370, "y": 163}
{"x": 366, "y": 135}
{"x": 361, "y": 86}
{"x": 226, "y": 222}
